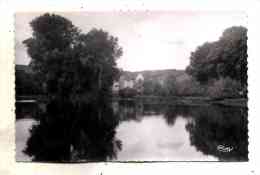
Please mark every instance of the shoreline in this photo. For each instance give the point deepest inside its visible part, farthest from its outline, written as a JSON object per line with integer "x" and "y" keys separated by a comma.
{"x": 191, "y": 100}
{"x": 174, "y": 100}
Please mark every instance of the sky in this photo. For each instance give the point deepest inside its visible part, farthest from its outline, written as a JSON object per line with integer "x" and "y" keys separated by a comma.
{"x": 151, "y": 40}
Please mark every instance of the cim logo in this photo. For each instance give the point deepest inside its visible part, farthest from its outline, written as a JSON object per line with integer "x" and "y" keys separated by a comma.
{"x": 225, "y": 149}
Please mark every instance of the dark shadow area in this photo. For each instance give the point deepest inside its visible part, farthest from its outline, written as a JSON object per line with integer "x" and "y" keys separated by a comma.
{"x": 220, "y": 131}
{"x": 72, "y": 133}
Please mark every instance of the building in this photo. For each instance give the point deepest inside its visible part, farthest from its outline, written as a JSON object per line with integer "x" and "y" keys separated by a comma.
{"x": 129, "y": 81}
{"x": 139, "y": 81}
{"x": 126, "y": 81}
{"x": 139, "y": 78}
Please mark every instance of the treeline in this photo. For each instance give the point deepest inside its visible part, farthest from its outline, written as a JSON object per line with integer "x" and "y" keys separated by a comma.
{"x": 222, "y": 88}
{"x": 217, "y": 69}
{"x": 183, "y": 85}
{"x": 68, "y": 63}
{"x": 222, "y": 65}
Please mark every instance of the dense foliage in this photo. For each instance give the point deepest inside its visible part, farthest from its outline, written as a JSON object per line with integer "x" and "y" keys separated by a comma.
{"x": 25, "y": 84}
{"x": 67, "y": 133}
{"x": 69, "y": 63}
{"x": 153, "y": 88}
{"x": 73, "y": 64}
{"x": 225, "y": 58}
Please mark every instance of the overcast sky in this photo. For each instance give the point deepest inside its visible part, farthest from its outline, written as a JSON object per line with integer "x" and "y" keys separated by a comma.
{"x": 150, "y": 40}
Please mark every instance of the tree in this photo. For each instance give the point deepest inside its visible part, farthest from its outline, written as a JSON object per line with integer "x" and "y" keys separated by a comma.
{"x": 171, "y": 85}
{"x": 226, "y": 57}
{"x": 25, "y": 84}
{"x": 224, "y": 88}
{"x": 99, "y": 55}
{"x": 154, "y": 88}
{"x": 234, "y": 55}
{"x": 148, "y": 87}
{"x": 201, "y": 65}
{"x": 70, "y": 64}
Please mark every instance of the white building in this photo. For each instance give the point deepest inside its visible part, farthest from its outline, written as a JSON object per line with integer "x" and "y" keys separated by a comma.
{"x": 128, "y": 84}
{"x": 139, "y": 78}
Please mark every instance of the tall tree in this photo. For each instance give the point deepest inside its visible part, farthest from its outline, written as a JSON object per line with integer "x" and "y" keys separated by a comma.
{"x": 69, "y": 63}
{"x": 226, "y": 57}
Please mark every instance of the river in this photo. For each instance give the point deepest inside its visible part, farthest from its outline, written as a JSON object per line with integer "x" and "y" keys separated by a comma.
{"x": 135, "y": 132}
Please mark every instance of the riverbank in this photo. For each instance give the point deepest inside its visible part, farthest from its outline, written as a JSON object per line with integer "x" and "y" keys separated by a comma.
{"x": 239, "y": 102}
{"x": 174, "y": 100}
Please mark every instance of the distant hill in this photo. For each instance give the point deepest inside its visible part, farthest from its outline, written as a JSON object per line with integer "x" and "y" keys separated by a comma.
{"x": 149, "y": 75}
{"x": 157, "y": 75}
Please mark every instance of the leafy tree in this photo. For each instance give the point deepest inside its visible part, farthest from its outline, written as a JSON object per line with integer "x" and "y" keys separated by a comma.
{"x": 170, "y": 85}
{"x": 148, "y": 87}
{"x": 153, "y": 87}
{"x": 24, "y": 84}
{"x": 189, "y": 87}
{"x": 224, "y": 87}
{"x": 201, "y": 66}
{"x": 69, "y": 63}
{"x": 234, "y": 56}
{"x": 226, "y": 57}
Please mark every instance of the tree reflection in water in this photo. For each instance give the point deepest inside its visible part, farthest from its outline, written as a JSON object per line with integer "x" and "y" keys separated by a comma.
{"x": 68, "y": 132}
{"x": 136, "y": 110}
{"x": 86, "y": 132}
{"x": 173, "y": 111}
{"x": 211, "y": 127}
{"x": 216, "y": 126}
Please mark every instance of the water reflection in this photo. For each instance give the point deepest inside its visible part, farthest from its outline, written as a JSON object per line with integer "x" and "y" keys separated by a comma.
{"x": 220, "y": 126}
{"x": 208, "y": 127}
{"x": 67, "y": 132}
{"x": 132, "y": 130}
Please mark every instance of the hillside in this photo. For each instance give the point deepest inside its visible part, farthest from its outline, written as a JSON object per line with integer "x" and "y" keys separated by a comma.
{"x": 157, "y": 75}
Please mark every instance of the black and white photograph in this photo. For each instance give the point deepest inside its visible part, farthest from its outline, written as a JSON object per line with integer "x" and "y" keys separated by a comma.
{"x": 131, "y": 86}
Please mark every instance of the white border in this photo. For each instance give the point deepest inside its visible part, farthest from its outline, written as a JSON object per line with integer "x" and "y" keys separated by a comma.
{"x": 7, "y": 160}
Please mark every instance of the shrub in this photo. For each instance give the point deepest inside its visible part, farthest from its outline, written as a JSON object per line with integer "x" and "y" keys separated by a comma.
{"x": 127, "y": 92}
{"x": 225, "y": 88}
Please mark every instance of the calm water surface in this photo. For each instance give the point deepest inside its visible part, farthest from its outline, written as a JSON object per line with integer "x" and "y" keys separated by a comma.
{"x": 132, "y": 131}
